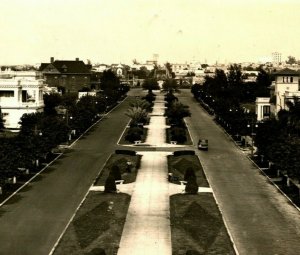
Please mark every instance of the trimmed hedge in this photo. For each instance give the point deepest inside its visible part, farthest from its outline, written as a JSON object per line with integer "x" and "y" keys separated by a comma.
{"x": 126, "y": 152}
{"x": 183, "y": 152}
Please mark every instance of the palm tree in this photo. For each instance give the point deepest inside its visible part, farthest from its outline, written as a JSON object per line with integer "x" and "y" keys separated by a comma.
{"x": 137, "y": 115}
{"x": 138, "y": 103}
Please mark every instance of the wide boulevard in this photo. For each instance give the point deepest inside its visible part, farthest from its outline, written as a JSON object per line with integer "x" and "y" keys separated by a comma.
{"x": 260, "y": 220}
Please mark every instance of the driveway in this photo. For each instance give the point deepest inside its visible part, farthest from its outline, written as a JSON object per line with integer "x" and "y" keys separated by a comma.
{"x": 259, "y": 218}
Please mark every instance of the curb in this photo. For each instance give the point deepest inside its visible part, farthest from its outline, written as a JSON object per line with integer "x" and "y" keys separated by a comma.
{"x": 274, "y": 184}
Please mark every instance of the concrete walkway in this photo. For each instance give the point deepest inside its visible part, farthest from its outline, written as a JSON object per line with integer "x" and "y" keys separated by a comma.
{"x": 147, "y": 228}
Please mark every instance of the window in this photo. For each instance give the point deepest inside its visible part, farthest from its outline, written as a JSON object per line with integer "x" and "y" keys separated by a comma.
{"x": 266, "y": 110}
{"x": 24, "y": 96}
{"x": 291, "y": 79}
{"x": 283, "y": 79}
{"x": 6, "y": 93}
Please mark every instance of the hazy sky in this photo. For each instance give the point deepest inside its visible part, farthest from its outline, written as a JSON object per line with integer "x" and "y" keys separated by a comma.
{"x": 112, "y": 31}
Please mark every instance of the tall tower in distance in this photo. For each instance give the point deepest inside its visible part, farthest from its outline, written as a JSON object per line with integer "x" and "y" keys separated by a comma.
{"x": 276, "y": 57}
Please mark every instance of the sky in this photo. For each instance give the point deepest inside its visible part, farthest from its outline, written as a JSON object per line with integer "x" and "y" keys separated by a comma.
{"x": 118, "y": 31}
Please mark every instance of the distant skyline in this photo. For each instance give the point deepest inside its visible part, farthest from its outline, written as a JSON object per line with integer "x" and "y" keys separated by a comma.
{"x": 119, "y": 31}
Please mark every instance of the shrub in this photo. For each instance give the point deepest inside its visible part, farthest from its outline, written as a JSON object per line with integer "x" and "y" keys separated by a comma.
{"x": 115, "y": 171}
{"x": 189, "y": 173}
{"x": 178, "y": 134}
{"x": 126, "y": 152}
{"x": 134, "y": 134}
{"x": 97, "y": 251}
{"x": 110, "y": 185}
{"x": 170, "y": 98}
{"x": 149, "y": 98}
{"x": 184, "y": 152}
{"x": 191, "y": 186}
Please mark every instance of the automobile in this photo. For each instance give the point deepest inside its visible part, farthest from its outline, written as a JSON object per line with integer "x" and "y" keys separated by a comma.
{"x": 203, "y": 144}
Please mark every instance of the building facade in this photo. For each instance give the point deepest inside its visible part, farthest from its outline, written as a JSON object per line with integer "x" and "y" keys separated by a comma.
{"x": 72, "y": 75}
{"x": 19, "y": 96}
{"x": 285, "y": 88}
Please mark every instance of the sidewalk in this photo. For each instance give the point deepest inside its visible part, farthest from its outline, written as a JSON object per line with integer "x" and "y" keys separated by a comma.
{"x": 147, "y": 229}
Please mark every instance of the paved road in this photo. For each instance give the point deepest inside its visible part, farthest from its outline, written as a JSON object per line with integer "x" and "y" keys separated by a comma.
{"x": 259, "y": 218}
{"x": 32, "y": 222}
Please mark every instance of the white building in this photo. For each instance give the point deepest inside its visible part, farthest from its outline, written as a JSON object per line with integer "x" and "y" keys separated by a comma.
{"x": 285, "y": 87}
{"x": 19, "y": 96}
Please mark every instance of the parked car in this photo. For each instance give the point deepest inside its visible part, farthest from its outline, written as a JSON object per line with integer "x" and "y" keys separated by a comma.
{"x": 203, "y": 144}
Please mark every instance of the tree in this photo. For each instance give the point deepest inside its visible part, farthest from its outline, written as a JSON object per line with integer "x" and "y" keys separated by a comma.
{"x": 51, "y": 101}
{"x": 291, "y": 60}
{"x": 294, "y": 116}
{"x": 189, "y": 173}
{"x": 137, "y": 115}
{"x": 109, "y": 81}
{"x": 143, "y": 104}
{"x": 176, "y": 112}
{"x": 115, "y": 171}
{"x": 150, "y": 84}
{"x": 263, "y": 82}
{"x": 170, "y": 73}
{"x": 191, "y": 186}
{"x": 110, "y": 184}
{"x": 170, "y": 85}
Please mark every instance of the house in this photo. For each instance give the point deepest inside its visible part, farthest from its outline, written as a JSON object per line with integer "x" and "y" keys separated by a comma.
{"x": 72, "y": 75}
{"x": 285, "y": 88}
{"x": 19, "y": 96}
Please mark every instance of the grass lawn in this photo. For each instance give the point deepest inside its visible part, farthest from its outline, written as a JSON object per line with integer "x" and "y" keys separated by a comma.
{"x": 188, "y": 137}
{"x": 98, "y": 224}
{"x": 100, "y": 220}
{"x": 121, "y": 161}
{"x": 177, "y": 165}
{"x": 196, "y": 224}
{"x": 125, "y": 142}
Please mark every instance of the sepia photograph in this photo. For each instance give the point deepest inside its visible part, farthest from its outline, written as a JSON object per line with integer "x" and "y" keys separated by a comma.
{"x": 137, "y": 127}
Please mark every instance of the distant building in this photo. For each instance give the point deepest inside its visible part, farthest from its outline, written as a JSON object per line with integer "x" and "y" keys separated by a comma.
{"x": 19, "y": 96}
{"x": 276, "y": 57}
{"x": 72, "y": 75}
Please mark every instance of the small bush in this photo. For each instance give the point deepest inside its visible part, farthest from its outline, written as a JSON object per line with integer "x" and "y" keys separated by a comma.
{"x": 178, "y": 134}
{"x": 184, "y": 152}
{"x": 189, "y": 173}
{"x": 110, "y": 185}
{"x": 191, "y": 186}
{"x": 126, "y": 152}
{"x": 115, "y": 171}
{"x": 97, "y": 251}
{"x": 134, "y": 134}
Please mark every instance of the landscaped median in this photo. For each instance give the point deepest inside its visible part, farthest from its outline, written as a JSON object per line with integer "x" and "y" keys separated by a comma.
{"x": 197, "y": 225}
{"x": 99, "y": 222}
